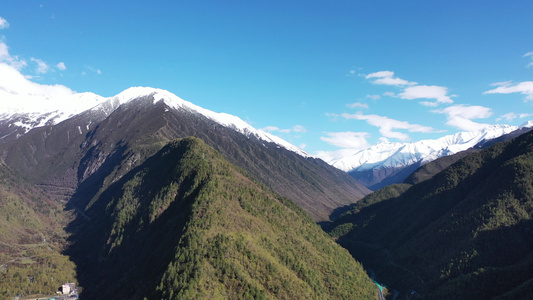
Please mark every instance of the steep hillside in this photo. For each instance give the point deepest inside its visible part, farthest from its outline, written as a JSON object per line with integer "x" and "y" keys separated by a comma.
{"x": 187, "y": 224}
{"x": 465, "y": 233}
{"x": 86, "y": 153}
{"x": 430, "y": 169}
{"x": 31, "y": 239}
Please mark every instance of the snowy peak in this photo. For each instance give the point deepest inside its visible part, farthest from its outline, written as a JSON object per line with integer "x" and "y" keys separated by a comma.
{"x": 34, "y": 110}
{"x": 394, "y": 155}
{"x": 30, "y": 111}
{"x": 223, "y": 119}
{"x": 528, "y": 124}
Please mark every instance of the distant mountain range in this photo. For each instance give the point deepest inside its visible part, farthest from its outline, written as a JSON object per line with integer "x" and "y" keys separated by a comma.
{"x": 459, "y": 228}
{"x": 387, "y": 163}
{"x": 375, "y": 167}
{"x": 146, "y": 196}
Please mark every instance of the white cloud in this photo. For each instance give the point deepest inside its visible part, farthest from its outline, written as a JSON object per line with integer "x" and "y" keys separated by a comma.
{"x": 13, "y": 82}
{"x": 356, "y": 105}
{"x": 509, "y": 117}
{"x": 524, "y": 88}
{"x": 295, "y": 128}
{"x": 373, "y": 97}
{"x": 298, "y": 128}
{"x": 348, "y": 139}
{"x": 411, "y": 90}
{"x": 11, "y": 60}
{"x": 387, "y": 78}
{"x": 351, "y": 73}
{"x": 349, "y": 142}
{"x": 92, "y": 69}
{"x": 3, "y": 23}
{"x": 61, "y": 66}
{"x": 332, "y": 116}
{"x": 329, "y": 156}
{"x": 42, "y": 67}
{"x": 501, "y": 83}
{"x": 270, "y": 129}
{"x": 460, "y": 116}
{"x": 439, "y": 93}
{"x": 531, "y": 55}
{"x": 387, "y": 126}
{"x": 17, "y": 91}
{"x": 429, "y": 103}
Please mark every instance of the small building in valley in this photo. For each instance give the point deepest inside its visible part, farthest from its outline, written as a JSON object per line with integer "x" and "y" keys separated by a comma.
{"x": 67, "y": 288}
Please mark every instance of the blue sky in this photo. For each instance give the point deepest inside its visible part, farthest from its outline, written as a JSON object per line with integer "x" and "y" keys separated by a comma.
{"x": 324, "y": 75}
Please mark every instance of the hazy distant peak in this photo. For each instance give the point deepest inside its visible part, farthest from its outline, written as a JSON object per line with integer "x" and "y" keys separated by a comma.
{"x": 391, "y": 155}
{"x": 527, "y": 124}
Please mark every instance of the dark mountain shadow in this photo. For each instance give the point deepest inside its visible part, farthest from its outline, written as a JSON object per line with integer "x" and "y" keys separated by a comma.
{"x": 504, "y": 263}
{"x": 100, "y": 263}
{"x": 89, "y": 187}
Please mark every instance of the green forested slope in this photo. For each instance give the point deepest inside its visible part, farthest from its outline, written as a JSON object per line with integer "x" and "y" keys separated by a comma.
{"x": 31, "y": 240}
{"x": 466, "y": 233}
{"x": 189, "y": 225}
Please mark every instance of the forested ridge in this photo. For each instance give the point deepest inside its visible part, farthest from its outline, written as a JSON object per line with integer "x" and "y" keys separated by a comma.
{"x": 188, "y": 224}
{"x": 465, "y": 233}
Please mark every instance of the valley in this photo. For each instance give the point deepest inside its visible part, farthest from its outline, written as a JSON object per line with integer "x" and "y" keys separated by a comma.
{"x": 306, "y": 150}
{"x": 168, "y": 200}
{"x": 461, "y": 233}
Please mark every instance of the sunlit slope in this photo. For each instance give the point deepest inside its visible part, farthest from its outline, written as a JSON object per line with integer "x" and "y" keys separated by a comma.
{"x": 187, "y": 224}
{"x": 31, "y": 239}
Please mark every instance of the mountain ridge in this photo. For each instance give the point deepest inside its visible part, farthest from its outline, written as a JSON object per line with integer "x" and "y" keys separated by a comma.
{"x": 201, "y": 228}
{"x": 91, "y": 150}
{"x": 390, "y": 154}
{"x": 27, "y": 117}
{"x": 387, "y": 163}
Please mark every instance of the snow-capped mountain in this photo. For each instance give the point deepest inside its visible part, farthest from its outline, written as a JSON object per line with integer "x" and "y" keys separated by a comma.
{"x": 224, "y": 119}
{"x": 30, "y": 111}
{"x": 370, "y": 166}
{"x": 387, "y": 154}
{"x": 25, "y": 112}
{"x": 73, "y": 158}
